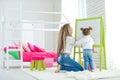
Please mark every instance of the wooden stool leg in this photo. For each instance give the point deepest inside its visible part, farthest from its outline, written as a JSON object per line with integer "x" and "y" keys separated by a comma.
{"x": 32, "y": 65}
{"x": 39, "y": 65}
{"x": 43, "y": 65}
{"x": 36, "y": 64}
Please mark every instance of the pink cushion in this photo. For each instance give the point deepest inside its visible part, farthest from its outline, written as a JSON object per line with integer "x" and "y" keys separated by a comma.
{"x": 37, "y": 58}
{"x": 52, "y": 54}
{"x": 27, "y": 56}
{"x": 42, "y": 58}
{"x": 30, "y": 46}
{"x": 25, "y": 48}
{"x": 38, "y": 49}
{"x": 49, "y": 62}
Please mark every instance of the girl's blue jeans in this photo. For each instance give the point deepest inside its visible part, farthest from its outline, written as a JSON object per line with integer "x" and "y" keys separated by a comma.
{"x": 87, "y": 55}
{"x": 68, "y": 64}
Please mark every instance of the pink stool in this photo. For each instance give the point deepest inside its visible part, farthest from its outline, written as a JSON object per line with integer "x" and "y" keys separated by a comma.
{"x": 37, "y": 62}
{"x": 49, "y": 62}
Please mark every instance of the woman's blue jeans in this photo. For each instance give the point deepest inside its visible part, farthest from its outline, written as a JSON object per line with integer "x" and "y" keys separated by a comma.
{"x": 87, "y": 54}
{"x": 68, "y": 64}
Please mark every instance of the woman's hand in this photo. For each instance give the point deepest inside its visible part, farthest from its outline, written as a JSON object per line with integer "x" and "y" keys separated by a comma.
{"x": 58, "y": 69}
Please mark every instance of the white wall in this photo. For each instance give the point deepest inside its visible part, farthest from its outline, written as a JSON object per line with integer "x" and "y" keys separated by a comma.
{"x": 47, "y": 39}
{"x": 40, "y": 37}
{"x": 37, "y": 5}
{"x": 51, "y": 37}
{"x": 11, "y": 12}
{"x": 0, "y": 22}
{"x": 70, "y": 9}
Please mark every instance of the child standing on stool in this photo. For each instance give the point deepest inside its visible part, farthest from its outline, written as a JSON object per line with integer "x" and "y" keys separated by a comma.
{"x": 87, "y": 43}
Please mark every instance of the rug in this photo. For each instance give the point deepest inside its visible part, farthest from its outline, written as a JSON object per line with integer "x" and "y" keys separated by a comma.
{"x": 49, "y": 74}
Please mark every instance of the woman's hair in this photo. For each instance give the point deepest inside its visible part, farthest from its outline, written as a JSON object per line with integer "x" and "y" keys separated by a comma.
{"x": 63, "y": 33}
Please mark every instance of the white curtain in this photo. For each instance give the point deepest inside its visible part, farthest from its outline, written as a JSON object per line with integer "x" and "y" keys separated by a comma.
{"x": 112, "y": 32}
{"x": 70, "y": 9}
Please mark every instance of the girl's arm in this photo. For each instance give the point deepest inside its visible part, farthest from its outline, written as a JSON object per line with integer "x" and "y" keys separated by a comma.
{"x": 77, "y": 43}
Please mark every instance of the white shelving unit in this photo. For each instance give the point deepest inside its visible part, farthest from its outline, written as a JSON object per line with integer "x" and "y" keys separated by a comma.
{"x": 10, "y": 28}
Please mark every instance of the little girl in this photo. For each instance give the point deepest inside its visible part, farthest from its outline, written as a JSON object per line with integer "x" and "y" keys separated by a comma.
{"x": 64, "y": 50}
{"x": 87, "y": 43}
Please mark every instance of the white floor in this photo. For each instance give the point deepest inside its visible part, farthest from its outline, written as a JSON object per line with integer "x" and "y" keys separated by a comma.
{"x": 117, "y": 78}
{"x": 48, "y": 74}
{"x": 14, "y": 74}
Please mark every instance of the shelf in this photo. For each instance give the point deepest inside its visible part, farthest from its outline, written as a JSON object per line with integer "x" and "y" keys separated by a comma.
{"x": 39, "y": 12}
{"x": 14, "y": 49}
{"x": 92, "y": 52}
{"x": 19, "y": 29}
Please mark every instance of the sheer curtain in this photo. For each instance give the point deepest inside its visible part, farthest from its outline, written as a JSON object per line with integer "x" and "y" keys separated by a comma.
{"x": 70, "y": 9}
{"x": 112, "y": 31}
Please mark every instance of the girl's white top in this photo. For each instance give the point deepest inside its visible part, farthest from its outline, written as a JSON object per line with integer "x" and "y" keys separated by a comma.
{"x": 69, "y": 44}
{"x": 86, "y": 42}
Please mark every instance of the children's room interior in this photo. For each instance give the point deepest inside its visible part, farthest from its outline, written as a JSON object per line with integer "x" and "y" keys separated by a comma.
{"x": 30, "y": 35}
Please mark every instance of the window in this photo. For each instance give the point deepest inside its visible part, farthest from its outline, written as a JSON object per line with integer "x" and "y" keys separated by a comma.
{"x": 112, "y": 33}
{"x": 70, "y": 9}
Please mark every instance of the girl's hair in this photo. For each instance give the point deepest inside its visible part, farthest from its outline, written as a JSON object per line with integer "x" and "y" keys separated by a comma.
{"x": 86, "y": 31}
{"x": 63, "y": 33}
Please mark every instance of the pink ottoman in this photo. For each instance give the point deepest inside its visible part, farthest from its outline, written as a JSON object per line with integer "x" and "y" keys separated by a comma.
{"x": 49, "y": 62}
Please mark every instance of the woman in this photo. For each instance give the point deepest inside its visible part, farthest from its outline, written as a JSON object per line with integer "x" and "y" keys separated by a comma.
{"x": 64, "y": 50}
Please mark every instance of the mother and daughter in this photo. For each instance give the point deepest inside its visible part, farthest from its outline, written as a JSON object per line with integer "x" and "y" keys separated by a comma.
{"x": 64, "y": 49}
